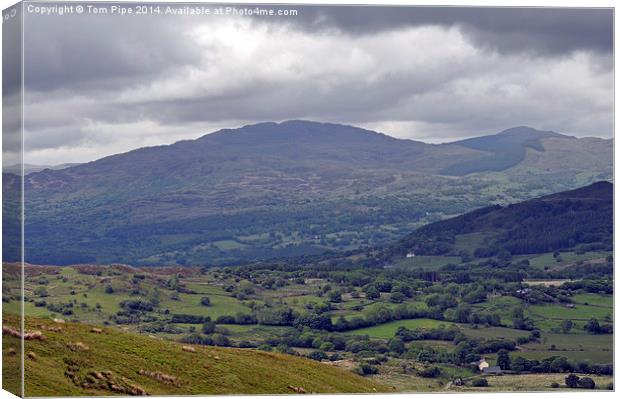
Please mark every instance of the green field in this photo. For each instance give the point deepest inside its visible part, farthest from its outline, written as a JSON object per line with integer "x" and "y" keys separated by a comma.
{"x": 547, "y": 260}
{"x": 428, "y": 262}
{"x": 561, "y": 312}
{"x": 593, "y": 348}
{"x": 606, "y": 301}
{"x": 531, "y": 382}
{"x": 387, "y": 330}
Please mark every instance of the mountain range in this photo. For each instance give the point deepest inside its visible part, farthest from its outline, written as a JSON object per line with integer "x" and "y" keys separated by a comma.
{"x": 285, "y": 189}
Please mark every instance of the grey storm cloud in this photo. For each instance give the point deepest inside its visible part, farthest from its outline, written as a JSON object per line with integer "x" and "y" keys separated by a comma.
{"x": 98, "y": 85}
{"x": 505, "y": 29}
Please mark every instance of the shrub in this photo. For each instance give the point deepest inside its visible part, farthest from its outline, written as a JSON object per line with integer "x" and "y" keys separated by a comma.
{"x": 225, "y": 319}
{"x": 317, "y": 355}
{"x": 326, "y": 346}
{"x": 335, "y": 296}
{"x": 430, "y": 372}
{"x": 334, "y": 357}
{"x": 205, "y": 301}
{"x": 480, "y": 382}
{"x": 208, "y": 326}
{"x": 397, "y": 297}
{"x": 220, "y": 340}
{"x": 136, "y": 306}
{"x": 572, "y": 381}
{"x": 366, "y": 369}
{"x": 586, "y": 383}
{"x": 187, "y": 319}
{"x": 197, "y": 339}
{"x": 396, "y": 345}
{"x": 555, "y": 385}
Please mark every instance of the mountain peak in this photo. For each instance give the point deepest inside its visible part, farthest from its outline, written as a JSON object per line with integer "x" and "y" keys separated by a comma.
{"x": 299, "y": 131}
{"x": 529, "y": 132}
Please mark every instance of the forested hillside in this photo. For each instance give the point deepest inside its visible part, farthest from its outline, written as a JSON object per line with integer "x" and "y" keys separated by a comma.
{"x": 580, "y": 219}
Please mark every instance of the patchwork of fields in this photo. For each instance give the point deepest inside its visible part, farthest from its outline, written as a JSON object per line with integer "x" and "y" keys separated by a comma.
{"x": 248, "y": 309}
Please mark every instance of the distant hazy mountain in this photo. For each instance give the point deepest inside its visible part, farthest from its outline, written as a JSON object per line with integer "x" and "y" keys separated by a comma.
{"x": 503, "y": 150}
{"x": 284, "y": 189}
{"x": 29, "y": 168}
{"x": 566, "y": 220}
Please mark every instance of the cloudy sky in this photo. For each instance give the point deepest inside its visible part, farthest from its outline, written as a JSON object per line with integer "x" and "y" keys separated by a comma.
{"x": 99, "y": 85}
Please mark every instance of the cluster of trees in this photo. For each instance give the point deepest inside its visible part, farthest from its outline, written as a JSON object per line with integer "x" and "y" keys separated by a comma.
{"x": 597, "y": 286}
{"x": 470, "y": 350}
{"x": 63, "y": 308}
{"x": 558, "y": 364}
{"x": 187, "y": 319}
{"x": 210, "y": 339}
{"x": 239, "y": 318}
{"x": 439, "y": 334}
{"x": 594, "y": 327}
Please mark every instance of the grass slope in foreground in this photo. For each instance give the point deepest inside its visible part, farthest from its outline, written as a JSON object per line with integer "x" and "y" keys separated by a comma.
{"x": 76, "y": 359}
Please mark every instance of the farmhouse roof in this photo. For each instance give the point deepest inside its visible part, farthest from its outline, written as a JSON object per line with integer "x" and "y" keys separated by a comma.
{"x": 492, "y": 370}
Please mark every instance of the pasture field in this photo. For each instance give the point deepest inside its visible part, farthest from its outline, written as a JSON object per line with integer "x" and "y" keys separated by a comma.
{"x": 387, "y": 330}
{"x": 594, "y": 348}
{"x": 491, "y": 332}
{"x": 566, "y": 258}
{"x": 605, "y": 301}
{"x": 579, "y": 312}
{"x": 428, "y": 262}
{"x": 530, "y": 382}
{"x": 190, "y": 304}
{"x": 501, "y": 305}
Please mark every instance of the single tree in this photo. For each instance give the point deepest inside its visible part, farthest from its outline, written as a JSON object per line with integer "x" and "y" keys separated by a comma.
{"x": 567, "y": 325}
{"x": 592, "y": 326}
{"x": 372, "y": 292}
{"x": 396, "y": 345}
{"x": 503, "y": 359}
{"x": 208, "y": 327}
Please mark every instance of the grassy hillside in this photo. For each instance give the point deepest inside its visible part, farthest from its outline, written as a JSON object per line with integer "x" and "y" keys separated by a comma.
{"x": 74, "y": 360}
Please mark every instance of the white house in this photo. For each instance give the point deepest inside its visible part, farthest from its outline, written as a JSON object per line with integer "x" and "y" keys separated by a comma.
{"x": 482, "y": 364}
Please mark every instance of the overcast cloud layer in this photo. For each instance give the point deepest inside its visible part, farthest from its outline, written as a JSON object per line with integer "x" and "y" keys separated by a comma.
{"x": 98, "y": 85}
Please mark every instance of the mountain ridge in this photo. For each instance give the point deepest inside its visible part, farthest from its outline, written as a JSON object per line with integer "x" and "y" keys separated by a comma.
{"x": 302, "y": 187}
{"x": 268, "y": 127}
